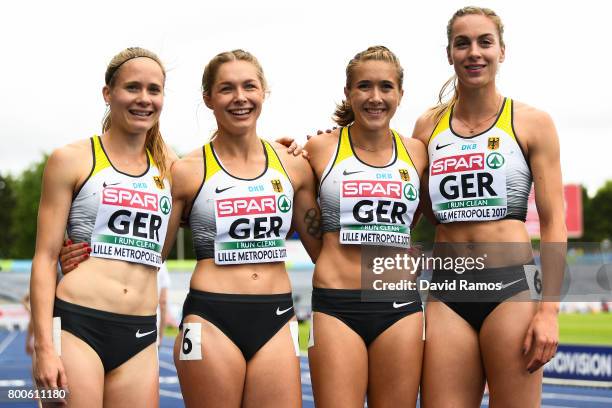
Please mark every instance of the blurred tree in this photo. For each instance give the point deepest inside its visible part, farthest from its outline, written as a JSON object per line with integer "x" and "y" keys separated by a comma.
{"x": 7, "y": 203}
{"x": 25, "y": 211}
{"x": 598, "y": 215}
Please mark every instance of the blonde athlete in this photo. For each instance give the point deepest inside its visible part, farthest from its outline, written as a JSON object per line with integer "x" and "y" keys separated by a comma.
{"x": 484, "y": 150}
{"x": 111, "y": 190}
{"x": 369, "y": 179}
{"x": 240, "y": 195}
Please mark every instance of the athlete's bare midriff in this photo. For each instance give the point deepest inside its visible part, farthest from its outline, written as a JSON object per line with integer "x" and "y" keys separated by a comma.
{"x": 251, "y": 279}
{"x": 338, "y": 265}
{"x": 505, "y": 242}
{"x": 112, "y": 286}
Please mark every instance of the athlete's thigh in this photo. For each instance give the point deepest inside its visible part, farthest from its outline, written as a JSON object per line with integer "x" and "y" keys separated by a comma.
{"x": 395, "y": 359}
{"x": 134, "y": 383}
{"x": 501, "y": 341}
{"x": 338, "y": 364}
{"x": 453, "y": 374}
{"x": 273, "y": 374}
{"x": 217, "y": 378}
{"x": 84, "y": 372}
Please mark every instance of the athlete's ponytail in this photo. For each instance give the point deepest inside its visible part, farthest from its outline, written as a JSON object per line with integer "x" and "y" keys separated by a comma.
{"x": 344, "y": 114}
{"x": 451, "y": 85}
{"x": 154, "y": 141}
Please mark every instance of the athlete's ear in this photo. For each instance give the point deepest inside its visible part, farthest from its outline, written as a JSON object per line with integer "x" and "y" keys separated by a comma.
{"x": 106, "y": 94}
{"x": 502, "y": 55}
{"x": 448, "y": 55}
{"x": 207, "y": 101}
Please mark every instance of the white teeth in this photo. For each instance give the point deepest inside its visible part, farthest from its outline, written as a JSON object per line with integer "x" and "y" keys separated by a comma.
{"x": 240, "y": 111}
{"x": 374, "y": 111}
{"x": 140, "y": 113}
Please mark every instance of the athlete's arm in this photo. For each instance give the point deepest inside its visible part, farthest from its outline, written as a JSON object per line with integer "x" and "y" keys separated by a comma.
{"x": 306, "y": 215}
{"x": 187, "y": 175}
{"x": 543, "y": 151}
{"x": 421, "y": 132}
{"x": 59, "y": 181}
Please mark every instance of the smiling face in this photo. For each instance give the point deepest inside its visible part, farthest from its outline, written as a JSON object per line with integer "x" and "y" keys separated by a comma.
{"x": 236, "y": 96}
{"x": 136, "y": 95}
{"x": 475, "y": 50}
{"x": 374, "y": 94}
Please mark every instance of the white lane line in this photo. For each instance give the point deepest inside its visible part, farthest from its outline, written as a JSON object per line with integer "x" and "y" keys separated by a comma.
{"x": 167, "y": 366}
{"x": 169, "y": 380}
{"x": 8, "y": 340}
{"x": 575, "y": 397}
{"x": 12, "y": 383}
{"x": 556, "y": 406}
{"x": 171, "y": 394}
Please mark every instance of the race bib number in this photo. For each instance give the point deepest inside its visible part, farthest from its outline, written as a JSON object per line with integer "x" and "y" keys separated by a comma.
{"x": 250, "y": 229}
{"x": 468, "y": 187}
{"x": 376, "y": 212}
{"x": 191, "y": 343}
{"x": 131, "y": 225}
{"x": 534, "y": 280}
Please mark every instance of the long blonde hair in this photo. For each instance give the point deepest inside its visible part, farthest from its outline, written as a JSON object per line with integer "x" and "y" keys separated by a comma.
{"x": 344, "y": 114}
{"x": 451, "y": 84}
{"x": 212, "y": 69}
{"x": 154, "y": 141}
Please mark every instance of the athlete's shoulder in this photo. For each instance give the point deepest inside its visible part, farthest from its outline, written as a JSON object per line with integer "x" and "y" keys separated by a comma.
{"x": 529, "y": 114}
{"x": 291, "y": 162}
{"x": 532, "y": 124}
{"x": 424, "y": 126}
{"x": 71, "y": 162}
{"x": 322, "y": 141}
{"x": 184, "y": 167}
{"x": 67, "y": 154}
{"x": 187, "y": 173}
{"x": 417, "y": 151}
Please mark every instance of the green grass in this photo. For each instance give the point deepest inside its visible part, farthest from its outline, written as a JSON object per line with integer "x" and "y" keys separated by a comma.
{"x": 574, "y": 328}
{"x": 577, "y": 328}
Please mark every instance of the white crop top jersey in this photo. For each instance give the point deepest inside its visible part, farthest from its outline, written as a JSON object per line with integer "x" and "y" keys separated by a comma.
{"x": 236, "y": 220}
{"x": 124, "y": 217}
{"x": 369, "y": 205}
{"x": 483, "y": 177}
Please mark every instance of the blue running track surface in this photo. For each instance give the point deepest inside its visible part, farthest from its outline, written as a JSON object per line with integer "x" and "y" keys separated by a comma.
{"x": 15, "y": 372}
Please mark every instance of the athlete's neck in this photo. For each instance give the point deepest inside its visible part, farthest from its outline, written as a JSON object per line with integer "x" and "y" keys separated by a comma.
{"x": 371, "y": 140}
{"x": 474, "y": 104}
{"x": 124, "y": 148}
{"x": 241, "y": 146}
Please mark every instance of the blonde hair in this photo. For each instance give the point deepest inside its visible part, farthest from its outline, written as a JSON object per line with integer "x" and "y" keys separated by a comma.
{"x": 154, "y": 141}
{"x": 451, "y": 85}
{"x": 344, "y": 114}
{"x": 212, "y": 69}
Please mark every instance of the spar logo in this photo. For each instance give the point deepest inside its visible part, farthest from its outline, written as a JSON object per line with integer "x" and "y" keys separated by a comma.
{"x": 284, "y": 203}
{"x": 453, "y": 164}
{"x": 366, "y": 188}
{"x": 123, "y": 197}
{"x": 241, "y": 206}
{"x": 410, "y": 192}
{"x": 495, "y": 160}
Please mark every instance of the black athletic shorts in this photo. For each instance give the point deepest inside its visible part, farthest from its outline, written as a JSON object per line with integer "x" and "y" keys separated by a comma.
{"x": 114, "y": 337}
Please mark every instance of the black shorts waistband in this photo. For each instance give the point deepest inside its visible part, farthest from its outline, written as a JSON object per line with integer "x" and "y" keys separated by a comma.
{"x": 485, "y": 273}
{"x": 62, "y": 305}
{"x": 239, "y": 298}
